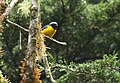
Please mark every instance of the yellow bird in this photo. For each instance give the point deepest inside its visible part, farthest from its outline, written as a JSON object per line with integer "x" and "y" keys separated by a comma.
{"x": 50, "y": 29}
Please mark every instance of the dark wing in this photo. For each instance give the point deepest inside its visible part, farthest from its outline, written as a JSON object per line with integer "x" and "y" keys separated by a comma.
{"x": 45, "y": 27}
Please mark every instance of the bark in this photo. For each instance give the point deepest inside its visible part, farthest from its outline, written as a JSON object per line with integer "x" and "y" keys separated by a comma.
{"x": 29, "y": 71}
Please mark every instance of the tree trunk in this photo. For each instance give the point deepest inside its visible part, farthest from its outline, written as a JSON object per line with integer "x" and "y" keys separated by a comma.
{"x": 29, "y": 71}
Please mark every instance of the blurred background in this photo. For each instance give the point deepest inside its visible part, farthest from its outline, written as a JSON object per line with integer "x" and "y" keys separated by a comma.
{"x": 91, "y": 29}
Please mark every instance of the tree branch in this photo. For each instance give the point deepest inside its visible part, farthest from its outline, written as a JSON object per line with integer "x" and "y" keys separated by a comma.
{"x": 6, "y": 12}
{"x": 63, "y": 67}
{"x": 2, "y": 9}
{"x": 62, "y": 43}
{"x": 22, "y": 28}
{"x": 20, "y": 40}
{"x": 47, "y": 69}
{"x": 17, "y": 25}
{"x": 9, "y": 8}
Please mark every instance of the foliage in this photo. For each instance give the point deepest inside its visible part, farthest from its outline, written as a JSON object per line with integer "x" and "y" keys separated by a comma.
{"x": 3, "y": 79}
{"x": 105, "y": 70}
{"x": 24, "y": 8}
{"x": 90, "y": 28}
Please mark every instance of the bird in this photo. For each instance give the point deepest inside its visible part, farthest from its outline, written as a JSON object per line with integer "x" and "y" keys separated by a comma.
{"x": 50, "y": 29}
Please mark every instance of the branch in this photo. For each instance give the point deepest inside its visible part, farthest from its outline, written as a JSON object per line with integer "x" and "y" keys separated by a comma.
{"x": 17, "y": 25}
{"x": 41, "y": 52}
{"x": 62, "y": 43}
{"x": 2, "y": 9}
{"x": 63, "y": 67}
{"x": 9, "y": 8}
{"x": 47, "y": 69}
{"x": 7, "y": 11}
{"x": 20, "y": 40}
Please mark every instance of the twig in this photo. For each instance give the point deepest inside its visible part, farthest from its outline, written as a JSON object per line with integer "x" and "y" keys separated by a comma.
{"x": 17, "y": 25}
{"x": 63, "y": 67}
{"x": 47, "y": 69}
{"x": 20, "y": 40}
{"x": 48, "y": 48}
{"x": 62, "y": 43}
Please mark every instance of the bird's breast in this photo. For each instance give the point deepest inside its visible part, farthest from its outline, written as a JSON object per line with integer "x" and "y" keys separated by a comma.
{"x": 49, "y": 31}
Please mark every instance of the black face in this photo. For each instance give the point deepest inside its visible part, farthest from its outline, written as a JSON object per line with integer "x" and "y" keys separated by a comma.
{"x": 55, "y": 26}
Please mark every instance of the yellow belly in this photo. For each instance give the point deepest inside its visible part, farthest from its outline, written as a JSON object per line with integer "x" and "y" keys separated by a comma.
{"x": 49, "y": 31}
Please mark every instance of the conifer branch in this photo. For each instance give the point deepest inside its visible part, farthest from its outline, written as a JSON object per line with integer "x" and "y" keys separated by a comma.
{"x": 63, "y": 67}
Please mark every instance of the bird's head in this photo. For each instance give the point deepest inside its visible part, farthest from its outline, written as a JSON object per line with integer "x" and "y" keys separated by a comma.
{"x": 54, "y": 25}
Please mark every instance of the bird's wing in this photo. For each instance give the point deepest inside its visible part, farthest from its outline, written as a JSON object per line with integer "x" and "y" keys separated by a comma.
{"x": 45, "y": 27}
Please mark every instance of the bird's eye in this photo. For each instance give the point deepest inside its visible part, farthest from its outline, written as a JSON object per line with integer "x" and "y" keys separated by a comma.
{"x": 54, "y": 24}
